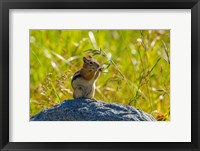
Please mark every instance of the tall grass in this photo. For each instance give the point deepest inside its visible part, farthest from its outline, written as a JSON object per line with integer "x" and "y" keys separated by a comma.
{"x": 136, "y": 67}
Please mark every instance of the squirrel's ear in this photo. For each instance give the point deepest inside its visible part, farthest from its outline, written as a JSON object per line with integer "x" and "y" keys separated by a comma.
{"x": 90, "y": 57}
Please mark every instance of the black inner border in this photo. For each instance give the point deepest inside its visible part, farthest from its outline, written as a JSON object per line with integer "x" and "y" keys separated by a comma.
{"x": 5, "y": 5}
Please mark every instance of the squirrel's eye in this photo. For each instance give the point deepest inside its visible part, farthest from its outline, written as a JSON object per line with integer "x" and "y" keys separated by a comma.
{"x": 91, "y": 63}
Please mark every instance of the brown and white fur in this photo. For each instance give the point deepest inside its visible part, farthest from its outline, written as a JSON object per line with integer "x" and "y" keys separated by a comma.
{"x": 83, "y": 81}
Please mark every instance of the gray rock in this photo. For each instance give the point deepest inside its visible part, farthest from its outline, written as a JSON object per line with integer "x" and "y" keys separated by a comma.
{"x": 91, "y": 110}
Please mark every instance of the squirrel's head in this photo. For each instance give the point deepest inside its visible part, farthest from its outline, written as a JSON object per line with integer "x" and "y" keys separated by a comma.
{"x": 90, "y": 64}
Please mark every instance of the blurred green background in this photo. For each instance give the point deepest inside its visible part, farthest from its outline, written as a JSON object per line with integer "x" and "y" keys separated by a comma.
{"x": 136, "y": 67}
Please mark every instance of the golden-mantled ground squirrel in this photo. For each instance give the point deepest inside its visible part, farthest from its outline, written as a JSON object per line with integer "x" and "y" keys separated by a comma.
{"x": 83, "y": 81}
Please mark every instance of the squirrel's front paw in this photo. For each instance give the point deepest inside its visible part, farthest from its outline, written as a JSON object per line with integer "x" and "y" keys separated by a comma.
{"x": 100, "y": 69}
